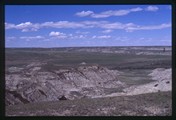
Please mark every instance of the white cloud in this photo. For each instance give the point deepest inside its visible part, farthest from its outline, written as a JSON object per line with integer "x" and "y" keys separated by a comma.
{"x": 108, "y": 26}
{"x": 104, "y": 37}
{"x": 28, "y": 26}
{"x": 57, "y": 34}
{"x": 122, "y": 38}
{"x": 28, "y": 38}
{"x": 136, "y": 9}
{"x": 24, "y": 27}
{"x": 64, "y": 24}
{"x": 81, "y": 32}
{"x": 77, "y": 37}
{"x": 107, "y": 31}
{"x": 81, "y": 36}
{"x": 84, "y": 13}
{"x": 9, "y": 26}
{"x": 102, "y": 15}
{"x": 101, "y": 37}
{"x": 116, "y": 25}
{"x": 39, "y": 37}
{"x": 92, "y": 24}
{"x": 152, "y": 8}
{"x": 25, "y": 30}
{"x": 109, "y": 13}
{"x": 153, "y": 27}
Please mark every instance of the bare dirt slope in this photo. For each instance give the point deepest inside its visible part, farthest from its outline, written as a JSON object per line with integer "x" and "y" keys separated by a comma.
{"x": 33, "y": 85}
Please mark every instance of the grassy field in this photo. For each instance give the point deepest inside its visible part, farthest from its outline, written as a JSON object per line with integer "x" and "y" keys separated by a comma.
{"x": 63, "y": 58}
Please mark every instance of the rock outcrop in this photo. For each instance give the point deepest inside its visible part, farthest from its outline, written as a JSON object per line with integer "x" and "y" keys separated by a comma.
{"x": 162, "y": 81}
{"x": 30, "y": 84}
{"x": 33, "y": 84}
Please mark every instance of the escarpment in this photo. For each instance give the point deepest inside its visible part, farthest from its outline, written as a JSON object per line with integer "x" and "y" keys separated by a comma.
{"x": 30, "y": 84}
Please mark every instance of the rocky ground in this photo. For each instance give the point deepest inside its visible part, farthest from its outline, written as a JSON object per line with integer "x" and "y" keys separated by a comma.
{"x": 150, "y": 104}
{"x": 78, "y": 86}
{"x": 45, "y": 85}
{"x": 33, "y": 85}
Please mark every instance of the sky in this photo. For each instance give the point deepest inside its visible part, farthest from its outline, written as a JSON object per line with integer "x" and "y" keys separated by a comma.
{"x": 87, "y": 25}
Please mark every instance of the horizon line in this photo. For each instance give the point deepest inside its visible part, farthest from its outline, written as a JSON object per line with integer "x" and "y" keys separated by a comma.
{"x": 96, "y": 46}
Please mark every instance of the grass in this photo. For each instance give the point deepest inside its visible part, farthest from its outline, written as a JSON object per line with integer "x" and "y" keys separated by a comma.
{"x": 135, "y": 77}
{"x": 74, "y": 58}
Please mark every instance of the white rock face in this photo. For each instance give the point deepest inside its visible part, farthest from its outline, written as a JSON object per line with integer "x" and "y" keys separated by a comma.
{"x": 162, "y": 82}
{"x": 161, "y": 74}
{"x": 15, "y": 69}
{"x": 33, "y": 85}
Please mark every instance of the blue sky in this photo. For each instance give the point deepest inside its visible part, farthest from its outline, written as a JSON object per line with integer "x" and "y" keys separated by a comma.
{"x": 87, "y": 25}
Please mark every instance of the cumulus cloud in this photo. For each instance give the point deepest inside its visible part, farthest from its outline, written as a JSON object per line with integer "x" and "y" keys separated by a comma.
{"x": 28, "y": 26}
{"x": 109, "y": 13}
{"x": 57, "y": 34}
{"x": 24, "y": 27}
{"x": 84, "y": 13}
{"x": 152, "y": 8}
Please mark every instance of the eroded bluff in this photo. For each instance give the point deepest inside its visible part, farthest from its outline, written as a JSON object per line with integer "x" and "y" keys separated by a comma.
{"x": 31, "y": 84}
